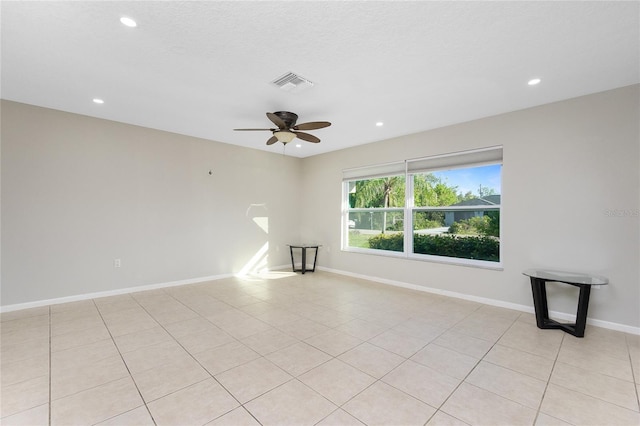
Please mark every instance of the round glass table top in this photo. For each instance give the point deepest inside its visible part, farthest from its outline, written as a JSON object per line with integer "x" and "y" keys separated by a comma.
{"x": 566, "y": 277}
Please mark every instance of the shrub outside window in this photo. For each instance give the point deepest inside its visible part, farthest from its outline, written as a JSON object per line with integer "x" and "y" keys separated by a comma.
{"x": 451, "y": 204}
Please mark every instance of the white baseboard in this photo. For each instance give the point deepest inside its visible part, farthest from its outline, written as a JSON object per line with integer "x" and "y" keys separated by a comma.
{"x": 493, "y": 302}
{"x": 76, "y": 298}
{"x": 67, "y": 299}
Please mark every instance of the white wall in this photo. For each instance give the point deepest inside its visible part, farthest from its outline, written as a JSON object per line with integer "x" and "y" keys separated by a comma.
{"x": 79, "y": 192}
{"x": 565, "y": 166}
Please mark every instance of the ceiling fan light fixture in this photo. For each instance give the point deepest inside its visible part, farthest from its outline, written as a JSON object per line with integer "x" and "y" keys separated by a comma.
{"x": 284, "y": 136}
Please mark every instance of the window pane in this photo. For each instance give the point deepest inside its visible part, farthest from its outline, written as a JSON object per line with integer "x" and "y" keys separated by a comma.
{"x": 459, "y": 234}
{"x": 433, "y": 220}
{"x": 377, "y": 193}
{"x": 470, "y": 186}
{"x": 366, "y": 230}
{"x": 454, "y": 207}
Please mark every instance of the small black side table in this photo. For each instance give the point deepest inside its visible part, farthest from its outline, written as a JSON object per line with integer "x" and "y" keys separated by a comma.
{"x": 303, "y": 248}
{"x": 539, "y": 278}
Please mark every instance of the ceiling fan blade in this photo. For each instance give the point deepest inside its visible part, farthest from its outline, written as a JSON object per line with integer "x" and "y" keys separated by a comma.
{"x": 272, "y": 140}
{"x": 312, "y": 125}
{"x": 250, "y": 130}
{"x": 307, "y": 137}
{"x": 276, "y": 120}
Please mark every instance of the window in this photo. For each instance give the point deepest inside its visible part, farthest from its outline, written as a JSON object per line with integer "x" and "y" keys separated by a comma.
{"x": 448, "y": 206}
{"x": 374, "y": 208}
{"x": 376, "y": 211}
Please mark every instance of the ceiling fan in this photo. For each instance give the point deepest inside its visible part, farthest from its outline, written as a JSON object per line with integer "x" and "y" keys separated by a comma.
{"x": 288, "y": 129}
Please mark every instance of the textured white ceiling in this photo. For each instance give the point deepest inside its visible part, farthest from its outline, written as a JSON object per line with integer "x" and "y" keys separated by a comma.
{"x": 203, "y": 68}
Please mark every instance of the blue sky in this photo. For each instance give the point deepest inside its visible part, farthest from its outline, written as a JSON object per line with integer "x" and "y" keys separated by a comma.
{"x": 470, "y": 179}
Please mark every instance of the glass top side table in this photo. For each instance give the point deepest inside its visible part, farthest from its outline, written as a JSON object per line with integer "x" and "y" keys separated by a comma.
{"x": 303, "y": 248}
{"x": 539, "y": 278}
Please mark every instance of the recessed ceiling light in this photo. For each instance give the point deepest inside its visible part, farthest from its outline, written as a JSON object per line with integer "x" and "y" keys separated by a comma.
{"x": 298, "y": 145}
{"x": 98, "y": 101}
{"x": 379, "y": 124}
{"x": 128, "y": 22}
{"x": 534, "y": 81}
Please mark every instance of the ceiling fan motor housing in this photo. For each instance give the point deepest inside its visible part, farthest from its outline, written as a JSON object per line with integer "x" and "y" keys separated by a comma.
{"x": 289, "y": 118}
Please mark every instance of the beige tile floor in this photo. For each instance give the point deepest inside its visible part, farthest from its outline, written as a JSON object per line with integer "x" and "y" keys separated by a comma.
{"x": 325, "y": 349}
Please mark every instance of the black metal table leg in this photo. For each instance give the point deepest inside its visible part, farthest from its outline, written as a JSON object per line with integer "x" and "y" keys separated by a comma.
{"x": 315, "y": 258}
{"x": 304, "y": 259}
{"x": 581, "y": 315}
{"x": 538, "y": 288}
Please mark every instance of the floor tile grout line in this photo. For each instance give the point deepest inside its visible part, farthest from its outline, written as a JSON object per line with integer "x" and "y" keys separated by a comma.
{"x": 340, "y": 406}
{"x": 87, "y": 389}
{"x": 233, "y": 337}
{"x": 497, "y": 343}
{"x": 633, "y": 372}
{"x": 600, "y": 373}
{"x": 195, "y": 359}
{"x": 565, "y": 336}
{"x": 475, "y": 366}
{"x": 548, "y": 381}
{"x": 392, "y": 386}
{"x": 409, "y": 359}
{"x": 404, "y": 361}
{"x": 595, "y": 397}
{"x": 125, "y": 365}
{"x": 272, "y": 389}
{"x": 511, "y": 369}
{"x": 264, "y": 356}
{"x": 546, "y": 387}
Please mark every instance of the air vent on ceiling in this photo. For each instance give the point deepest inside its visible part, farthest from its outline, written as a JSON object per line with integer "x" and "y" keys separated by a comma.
{"x": 293, "y": 83}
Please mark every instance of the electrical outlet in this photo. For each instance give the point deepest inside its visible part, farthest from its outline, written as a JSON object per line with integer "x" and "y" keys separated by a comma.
{"x": 117, "y": 263}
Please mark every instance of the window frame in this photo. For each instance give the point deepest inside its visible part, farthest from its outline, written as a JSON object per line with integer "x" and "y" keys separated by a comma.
{"x": 372, "y": 172}
{"x": 457, "y": 160}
